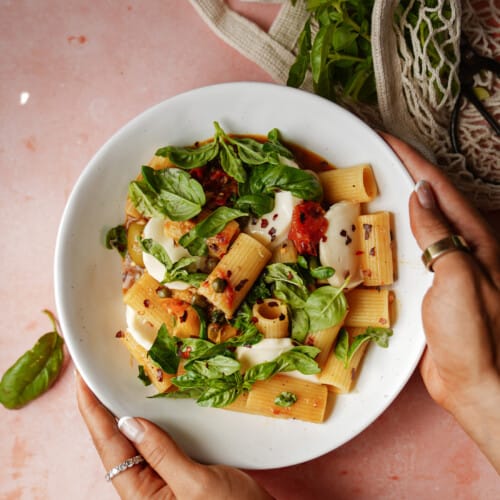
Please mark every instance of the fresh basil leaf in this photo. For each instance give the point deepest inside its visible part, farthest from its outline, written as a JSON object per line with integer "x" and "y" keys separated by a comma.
{"x": 221, "y": 392}
{"x": 274, "y": 148}
{"x": 345, "y": 352}
{"x": 288, "y": 284}
{"x": 257, "y": 204}
{"x": 35, "y": 371}
{"x": 190, "y": 157}
{"x": 153, "y": 248}
{"x": 194, "y": 240}
{"x": 319, "y": 51}
{"x": 300, "y": 324}
{"x": 190, "y": 380}
{"x": 298, "y": 70}
{"x": 229, "y": 161}
{"x": 188, "y": 393}
{"x": 163, "y": 352}
{"x": 143, "y": 376}
{"x": 216, "y": 367}
{"x": 203, "y": 333}
{"x": 285, "y": 399}
{"x": 116, "y": 238}
{"x": 169, "y": 192}
{"x": 261, "y": 371}
{"x": 326, "y": 307}
{"x": 322, "y": 272}
{"x": 250, "y": 151}
{"x": 300, "y": 360}
{"x": 342, "y": 347}
{"x": 267, "y": 179}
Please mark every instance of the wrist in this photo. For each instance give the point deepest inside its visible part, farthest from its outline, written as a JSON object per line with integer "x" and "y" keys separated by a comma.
{"x": 477, "y": 411}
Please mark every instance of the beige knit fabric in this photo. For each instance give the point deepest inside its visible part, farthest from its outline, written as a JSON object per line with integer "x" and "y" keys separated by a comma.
{"x": 414, "y": 101}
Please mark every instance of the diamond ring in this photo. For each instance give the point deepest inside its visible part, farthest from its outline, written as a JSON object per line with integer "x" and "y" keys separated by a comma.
{"x": 130, "y": 462}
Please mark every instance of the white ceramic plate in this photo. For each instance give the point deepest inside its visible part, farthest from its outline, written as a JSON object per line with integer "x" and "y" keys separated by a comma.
{"x": 88, "y": 286}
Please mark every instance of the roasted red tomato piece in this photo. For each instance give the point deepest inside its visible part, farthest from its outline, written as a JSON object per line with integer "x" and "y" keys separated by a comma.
{"x": 308, "y": 227}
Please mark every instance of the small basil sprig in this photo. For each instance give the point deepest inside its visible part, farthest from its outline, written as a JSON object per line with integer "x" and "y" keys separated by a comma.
{"x": 169, "y": 192}
{"x": 345, "y": 351}
{"x": 173, "y": 270}
{"x": 217, "y": 381}
{"x": 195, "y": 239}
{"x": 116, "y": 238}
{"x": 35, "y": 371}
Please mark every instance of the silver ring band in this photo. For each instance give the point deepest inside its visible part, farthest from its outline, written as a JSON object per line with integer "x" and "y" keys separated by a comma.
{"x": 130, "y": 462}
{"x": 442, "y": 247}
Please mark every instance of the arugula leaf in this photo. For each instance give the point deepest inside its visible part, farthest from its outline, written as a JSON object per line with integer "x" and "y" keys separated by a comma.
{"x": 116, "y": 238}
{"x": 285, "y": 399}
{"x": 169, "y": 192}
{"x": 163, "y": 352}
{"x": 190, "y": 157}
{"x": 344, "y": 352}
{"x": 35, "y": 371}
{"x": 326, "y": 307}
{"x": 194, "y": 240}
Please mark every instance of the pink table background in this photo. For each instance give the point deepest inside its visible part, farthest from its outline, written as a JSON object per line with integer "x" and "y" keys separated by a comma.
{"x": 89, "y": 67}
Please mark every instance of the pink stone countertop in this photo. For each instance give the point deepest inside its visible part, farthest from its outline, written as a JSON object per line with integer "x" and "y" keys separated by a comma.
{"x": 71, "y": 73}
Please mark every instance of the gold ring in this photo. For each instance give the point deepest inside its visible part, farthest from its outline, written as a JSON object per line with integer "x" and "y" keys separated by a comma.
{"x": 442, "y": 247}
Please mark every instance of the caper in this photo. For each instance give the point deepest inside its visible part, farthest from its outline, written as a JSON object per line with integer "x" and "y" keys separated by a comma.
{"x": 219, "y": 285}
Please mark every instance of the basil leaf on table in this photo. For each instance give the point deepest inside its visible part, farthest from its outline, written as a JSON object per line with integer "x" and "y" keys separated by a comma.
{"x": 344, "y": 352}
{"x": 190, "y": 157}
{"x": 169, "y": 192}
{"x": 35, "y": 371}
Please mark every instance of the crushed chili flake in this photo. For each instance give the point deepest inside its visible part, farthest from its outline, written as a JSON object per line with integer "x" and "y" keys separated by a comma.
{"x": 368, "y": 229}
{"x": 241, "y": 284}
{"x": 348, "y": 240}
{"x": 119, "y": 334}
{"x": 273, "y": 304}
{"x": 359, "y": 252}
{"x": 254, "y": 319}
{"x": 275, "y": 216}
{"x": 147, "y": 302}
{"x": 372, "y": 251}
{"x": 272, "y": 233}
{"x": 184, "y": 316}
{"x": 264, "y": 223}
{"x": 282, "y": 317}
{"x": 343, "y": 232}
{"x": 186, "y": 352}
{"x": 159, "y": 375}
{"x": 382, "y": 321}
{"x": 353, "y": 228}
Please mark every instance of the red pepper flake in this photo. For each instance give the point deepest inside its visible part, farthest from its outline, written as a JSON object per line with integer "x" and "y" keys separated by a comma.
{"x": 282, "y": 317}
{"x": 348, "y": 240}
{"x": 353, "y": 228}
{"x": 273, "y": 304}
{"x": 264, "y": 223}
{"x": 119, "y": 334}
{"x": 241, "y": 284}
{"x": 186, "y": 352}
{"x": 368, "y": 229}
{"x": 272, "y": 233}
{"x": 359, "y": 252}
{"x": 159, "y": 375}
{"x": 309, "y": 341}
{"x": 275, "y": 216}
{"x": 343, "y": 233}
{"x": 184, "y": 316}
{"x": 372, "y": 251}
{"x": 382, "y": 321}
{"x": 147, "y": 303}
{"x": 254, "y": 319}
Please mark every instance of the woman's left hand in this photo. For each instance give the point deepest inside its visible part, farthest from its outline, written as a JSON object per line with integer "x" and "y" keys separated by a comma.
{"x": 167, "y": 471}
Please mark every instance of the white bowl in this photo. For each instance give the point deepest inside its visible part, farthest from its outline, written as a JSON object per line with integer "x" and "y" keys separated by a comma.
{"x": 88, "y": 282}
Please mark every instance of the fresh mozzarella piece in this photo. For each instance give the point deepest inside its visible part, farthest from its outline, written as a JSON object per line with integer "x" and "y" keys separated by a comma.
{"x": 272, "y": 228}
{"x": 268, "y": 350}
{"x": 154, "y": 229}
{"x": 339, "y": 249}
{"x": 143, "y": 331}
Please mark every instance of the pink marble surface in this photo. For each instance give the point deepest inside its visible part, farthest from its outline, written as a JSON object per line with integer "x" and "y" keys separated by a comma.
{"x": 71, "y": 73}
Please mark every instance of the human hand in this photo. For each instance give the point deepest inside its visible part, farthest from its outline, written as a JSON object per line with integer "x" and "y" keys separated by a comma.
{"x": 167, "y": 471}
{"x": 461, "y": 311}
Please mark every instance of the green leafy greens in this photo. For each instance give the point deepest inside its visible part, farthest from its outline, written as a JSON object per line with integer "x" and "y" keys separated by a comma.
{"x": 35, "y": 371}
{"x": 344, "y": 350}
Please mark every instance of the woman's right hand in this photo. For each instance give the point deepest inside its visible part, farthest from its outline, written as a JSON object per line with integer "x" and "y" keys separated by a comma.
{"x": 461, "y": 311}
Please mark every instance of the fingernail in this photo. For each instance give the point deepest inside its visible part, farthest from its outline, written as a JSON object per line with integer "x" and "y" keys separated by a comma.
{"x": 424, "y": 194}
{"x": 131, "y": 428}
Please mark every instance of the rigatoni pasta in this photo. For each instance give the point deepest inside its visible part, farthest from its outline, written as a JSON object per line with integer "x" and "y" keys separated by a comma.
{"x": 250, "y": 282}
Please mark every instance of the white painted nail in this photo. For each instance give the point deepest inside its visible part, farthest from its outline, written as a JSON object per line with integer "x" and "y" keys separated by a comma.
{"x": 131, "y": 428}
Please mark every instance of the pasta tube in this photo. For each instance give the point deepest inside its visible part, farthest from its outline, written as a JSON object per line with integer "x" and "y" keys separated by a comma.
{"x": 234, "y": 275}
{"x": 271, "y": 318}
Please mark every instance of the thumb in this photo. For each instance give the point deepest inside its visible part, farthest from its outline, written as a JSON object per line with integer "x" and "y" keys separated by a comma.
{"x": 162, "y": 453}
